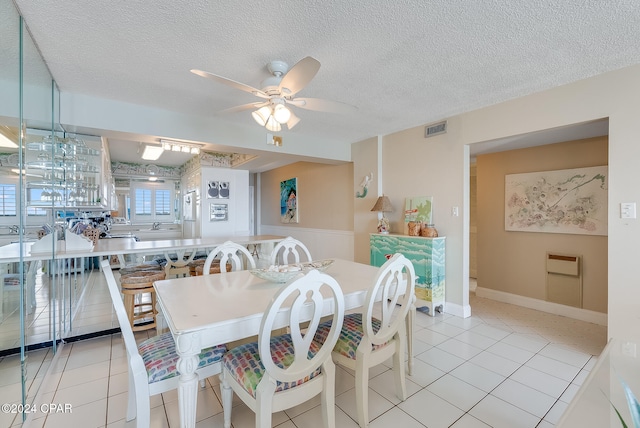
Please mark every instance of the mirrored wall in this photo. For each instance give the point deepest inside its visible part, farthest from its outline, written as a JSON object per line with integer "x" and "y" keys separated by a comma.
{"x": 29, "y": 321}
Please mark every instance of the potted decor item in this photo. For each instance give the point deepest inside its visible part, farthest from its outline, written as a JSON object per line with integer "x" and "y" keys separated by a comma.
{"x": 428, "y": 230}
{"x": 414, "y": 228}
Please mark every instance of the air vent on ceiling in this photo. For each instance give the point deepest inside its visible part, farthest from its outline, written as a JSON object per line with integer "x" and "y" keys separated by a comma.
{"x": 435, "y": 129}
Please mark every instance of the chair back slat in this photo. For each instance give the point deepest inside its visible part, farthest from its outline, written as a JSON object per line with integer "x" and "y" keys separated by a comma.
{"x": 288, "y": 249}
{"x": 229, "y": 253}
{"x": 306, "y": 299}
{"x": 393, "y": 293}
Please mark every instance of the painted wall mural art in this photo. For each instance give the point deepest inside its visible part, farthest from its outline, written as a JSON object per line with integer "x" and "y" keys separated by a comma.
{"x": 564, "y": 201}
{"x": 289, "y": 201}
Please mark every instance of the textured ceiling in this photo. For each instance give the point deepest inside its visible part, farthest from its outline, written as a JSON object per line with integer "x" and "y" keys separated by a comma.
{"x": 403, "y": 63}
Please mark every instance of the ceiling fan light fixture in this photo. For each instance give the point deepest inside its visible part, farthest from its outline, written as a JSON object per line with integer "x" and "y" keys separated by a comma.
{"x": 262, "y": 115}
{"x": 273, "y": 125}
{"x": 293, "y": 121}
{"x": 281, "y": 113}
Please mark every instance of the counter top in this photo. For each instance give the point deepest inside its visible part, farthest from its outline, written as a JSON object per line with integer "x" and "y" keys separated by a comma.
{"x": 108, "y": 247}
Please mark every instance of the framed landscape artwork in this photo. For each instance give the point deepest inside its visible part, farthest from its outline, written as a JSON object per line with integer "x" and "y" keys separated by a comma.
{"x": 563, "y": 201}
{"x": 289, "y": 201}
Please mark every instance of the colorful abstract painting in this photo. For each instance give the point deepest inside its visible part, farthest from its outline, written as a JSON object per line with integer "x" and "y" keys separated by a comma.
{"x": 564, "y": 201}
{"x": 289, "y": 201}
{"x": 419, "y": 208}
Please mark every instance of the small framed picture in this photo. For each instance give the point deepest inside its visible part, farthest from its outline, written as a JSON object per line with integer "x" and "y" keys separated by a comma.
{"x": 218, "y": 212}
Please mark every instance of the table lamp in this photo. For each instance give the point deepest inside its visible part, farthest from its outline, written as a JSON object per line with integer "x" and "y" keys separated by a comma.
{"x": 383, "y": 205}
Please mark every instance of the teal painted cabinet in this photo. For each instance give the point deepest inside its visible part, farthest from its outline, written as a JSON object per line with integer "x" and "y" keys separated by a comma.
{"x": 428, "y": 258}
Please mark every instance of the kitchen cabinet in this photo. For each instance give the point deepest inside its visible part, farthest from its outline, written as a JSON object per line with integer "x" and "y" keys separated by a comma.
{"x": 428, "y": 258}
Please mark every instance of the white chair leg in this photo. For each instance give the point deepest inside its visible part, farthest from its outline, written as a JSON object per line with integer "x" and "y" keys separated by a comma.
{"x": 227, "y": 399}
{"x": 327, "y": 396}
{"x": 362, "y": 391}
{"x": 263, "y": 410}
{"x": 131, "y": 400}
{"x": 411, "y": 316}
{"x": 398, "y": 366}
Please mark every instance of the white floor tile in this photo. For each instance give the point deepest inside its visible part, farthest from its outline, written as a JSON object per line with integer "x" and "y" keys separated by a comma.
{"x": 459, "y": 349}
{"x": 395, "y": 418}
{"x": 468, "y": 421}
{"x": 510, "y": 352}
{"x": 527, "y": 342}
{"x": 562, "y": 353}
{"x": 491, "y": 331}
{"x": 553, "y": 416}
{"x": 495, "y": 363}
{"x": 386, "y": 387}
{"x": 499, "y": 414}
{"x": 524, "y": 397}
{"x": 440, "y": 359}
{"x": 457, "y": 392}
{"x": 431, "y": 410}
{"x": 377, "y": 404}
{"x": 553, "y": 367}
{"x": 475, "y": 339}
{"x": 477, "y": 376}
{"x": 540, "y": 381}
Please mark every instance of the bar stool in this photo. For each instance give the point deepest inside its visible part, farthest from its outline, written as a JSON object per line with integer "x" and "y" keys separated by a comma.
{"x": 215, "y": 267}
{"x": 136, "y": 284}
{"x": 194, "y": 264}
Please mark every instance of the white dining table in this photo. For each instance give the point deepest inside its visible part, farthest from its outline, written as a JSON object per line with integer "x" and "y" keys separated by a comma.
{"x": 204, "y": 311}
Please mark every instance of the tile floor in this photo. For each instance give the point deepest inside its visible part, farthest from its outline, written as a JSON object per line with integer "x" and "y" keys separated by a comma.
{"x": 504, "y": 367}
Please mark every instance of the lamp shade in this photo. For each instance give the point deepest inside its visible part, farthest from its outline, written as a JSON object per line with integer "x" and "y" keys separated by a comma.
{"x": 382, "y": 205}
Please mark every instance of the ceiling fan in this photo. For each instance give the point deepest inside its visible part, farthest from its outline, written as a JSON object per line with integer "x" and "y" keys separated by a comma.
{"x": 278, "y": 93}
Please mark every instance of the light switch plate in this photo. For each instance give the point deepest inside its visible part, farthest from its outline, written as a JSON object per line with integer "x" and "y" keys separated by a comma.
{"x": 628, "y": 210}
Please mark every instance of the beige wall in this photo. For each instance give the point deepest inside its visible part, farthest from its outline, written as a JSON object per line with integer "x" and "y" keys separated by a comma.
{"x": 365, "y": 221}
{"x": 440, "y": 166}
{"x": 514, "y": 262}
{"x": 325, "y": 195}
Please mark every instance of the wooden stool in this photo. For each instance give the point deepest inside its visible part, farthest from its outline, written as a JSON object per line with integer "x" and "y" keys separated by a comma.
{"x": 215, "y": 267}
{"x": 136, "y": 284}
{"x": 139, "y": 268}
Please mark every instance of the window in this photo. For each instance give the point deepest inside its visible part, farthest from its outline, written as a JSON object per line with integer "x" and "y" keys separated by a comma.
{"x": 7, "y": 200}
{"x": 152, "y": 202}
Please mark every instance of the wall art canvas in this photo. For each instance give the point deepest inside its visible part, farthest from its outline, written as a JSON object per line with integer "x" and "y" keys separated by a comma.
{"x": 564, "y": 201}
{"x": 289, "y": 201}
{"x": 419, "y": 208}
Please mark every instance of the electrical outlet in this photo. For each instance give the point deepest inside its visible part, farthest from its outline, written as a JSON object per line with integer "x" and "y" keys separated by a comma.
{"x": 629, "y": 349}
{"x": 455, "y": 212}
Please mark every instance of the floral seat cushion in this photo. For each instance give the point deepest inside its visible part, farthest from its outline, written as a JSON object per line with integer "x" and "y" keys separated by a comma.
{"x": 161, "y": 359}
{"x": 350, "y": 336}
{"x": 244, "y": 364}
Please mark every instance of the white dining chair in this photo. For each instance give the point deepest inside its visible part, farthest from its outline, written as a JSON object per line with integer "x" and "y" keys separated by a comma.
{"x": 289, "y": 248}
{"x": 229, "y": 253}
{"x": 366, "y": 341}
{"x": 277, "y": 373}
{"x": 153, "y": 363}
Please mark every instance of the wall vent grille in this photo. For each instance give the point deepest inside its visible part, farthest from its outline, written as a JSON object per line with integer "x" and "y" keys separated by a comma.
{"x": 435, "y": 129}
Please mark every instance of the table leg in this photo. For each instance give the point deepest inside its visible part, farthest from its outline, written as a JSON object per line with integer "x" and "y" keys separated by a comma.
{"x": 188, "y": 349}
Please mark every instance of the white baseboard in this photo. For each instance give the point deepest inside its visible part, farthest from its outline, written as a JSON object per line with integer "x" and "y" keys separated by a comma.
{"x": 544, "y": 306}
{"x": 457, "y": 310}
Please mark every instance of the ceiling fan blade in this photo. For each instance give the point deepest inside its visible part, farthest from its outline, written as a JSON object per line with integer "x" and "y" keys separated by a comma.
{"x": 299, "y": 75}
{"x": 232, "y": 83}
{"x": 318, "y": 104}
{"x": 243, "y": 107}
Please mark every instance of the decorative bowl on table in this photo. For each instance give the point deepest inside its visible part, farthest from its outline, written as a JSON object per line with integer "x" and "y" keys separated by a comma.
{"x": 320, "y": 265}
{"x": 278, "y": 273}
